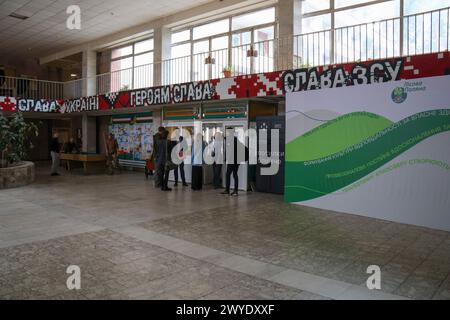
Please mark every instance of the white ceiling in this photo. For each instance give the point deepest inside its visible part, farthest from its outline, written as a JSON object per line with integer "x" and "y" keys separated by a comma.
{"x": 45, "y": 31}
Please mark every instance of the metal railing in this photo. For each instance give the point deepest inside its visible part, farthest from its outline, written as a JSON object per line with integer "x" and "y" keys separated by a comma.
{"x": 421, "y": 33}
{"x": 416, "y": 34}
{"x": 411, "y": 35}
{"x": 30, "y": 88}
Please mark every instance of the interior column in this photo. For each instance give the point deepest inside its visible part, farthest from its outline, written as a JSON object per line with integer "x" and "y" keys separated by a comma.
{"x": 89, "y": 128}
{"x": 289, "y": 21}
{"x": 161, "y": 38}
{"x": 89, "y": 72}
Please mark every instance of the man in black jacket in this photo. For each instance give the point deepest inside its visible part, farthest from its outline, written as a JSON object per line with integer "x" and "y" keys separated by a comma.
{"x": 165, "y": 146}
{"x": 233, "y": 164}
{"x": 155, "y": 154}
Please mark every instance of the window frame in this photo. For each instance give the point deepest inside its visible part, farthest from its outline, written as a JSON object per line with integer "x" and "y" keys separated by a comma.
{"x": 229, "y": 34}
{"x": 133, "y": 55}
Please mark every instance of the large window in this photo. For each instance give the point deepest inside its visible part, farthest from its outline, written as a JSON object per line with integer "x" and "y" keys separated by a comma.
{"x": 132, "y": 66}
{"x": 336, "y": 31}
{"x": 243, "y": 43}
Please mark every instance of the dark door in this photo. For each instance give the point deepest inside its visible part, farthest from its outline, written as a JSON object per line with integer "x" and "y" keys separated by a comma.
{"x": 271, "y": 183}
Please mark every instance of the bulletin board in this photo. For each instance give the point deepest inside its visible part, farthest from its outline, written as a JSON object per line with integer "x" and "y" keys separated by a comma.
{"x": 134, "y": 136}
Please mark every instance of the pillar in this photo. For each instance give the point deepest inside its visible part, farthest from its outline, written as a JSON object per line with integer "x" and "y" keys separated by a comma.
{"x": 162, "y": 41}
{"x": 89, "y": 73}
{"x": 289, "y": 14}
{"x": 89, "y": 129}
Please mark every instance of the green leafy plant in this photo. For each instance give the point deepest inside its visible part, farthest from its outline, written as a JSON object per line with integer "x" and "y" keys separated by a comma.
{"x": 15, "y": 136}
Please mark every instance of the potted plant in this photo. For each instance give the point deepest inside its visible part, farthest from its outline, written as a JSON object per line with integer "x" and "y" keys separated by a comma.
{"x": 15, "y": 136}
{"x": 227, "y": 71}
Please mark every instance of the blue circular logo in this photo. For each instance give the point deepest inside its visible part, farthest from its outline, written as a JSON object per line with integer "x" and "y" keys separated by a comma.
{"x": 399, "y": 95}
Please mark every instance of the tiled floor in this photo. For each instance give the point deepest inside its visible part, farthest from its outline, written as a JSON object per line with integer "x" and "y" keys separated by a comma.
{"x": 132, "y": 241}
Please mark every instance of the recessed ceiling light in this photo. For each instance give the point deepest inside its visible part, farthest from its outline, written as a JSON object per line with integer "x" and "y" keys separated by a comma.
{"x": 73, "y": 75}
{"x": 18, "y": 16}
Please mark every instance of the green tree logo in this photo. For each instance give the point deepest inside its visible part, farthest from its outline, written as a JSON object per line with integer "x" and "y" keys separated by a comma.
{"x": 399, "y": 95}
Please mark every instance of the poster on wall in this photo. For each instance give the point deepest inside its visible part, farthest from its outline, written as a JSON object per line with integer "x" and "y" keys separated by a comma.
{"x": 380, "y": 150}
{"x": 135, "y": 139}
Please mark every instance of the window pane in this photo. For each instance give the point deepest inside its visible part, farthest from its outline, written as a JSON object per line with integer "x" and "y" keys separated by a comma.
{"x": 263, "y": 62}
{"x": 263, "y": 34}
{"x": 201, "y": 46}
{"x": 316, "y": 23}
{"x": 239, "y": 39}
{"x": 177, "y": 70}
{"x": 121, "y": 74}
{"x": 219, "y": 43}
{"x": 417, "y": 6}
{"x": 315, "y": 5}
{"x": 346, "y": 3}
{"x": 181, "y": 50}
{"x": 143, "y": 46}
{"x": 239, "y": 60}
{"x": 253, "y": 19}
{"x": 143, "y": 74}
{"x": 376, "y": 12}
{"x": 181, "y": 36}
{"x": 120, "y": 52}
{"x": 142, "y": 59}
{"x": 121, "y": 64}
{"x": 211, "y": 29}
{"x": 219, "y": 46}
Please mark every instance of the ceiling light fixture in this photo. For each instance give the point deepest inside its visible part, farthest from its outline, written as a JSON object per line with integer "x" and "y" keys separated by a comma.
{"x": 18, "y": 16}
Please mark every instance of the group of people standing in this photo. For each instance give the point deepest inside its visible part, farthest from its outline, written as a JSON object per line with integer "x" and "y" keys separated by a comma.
{"x": 163, "y": 147}
{"x": 161, "y": 157}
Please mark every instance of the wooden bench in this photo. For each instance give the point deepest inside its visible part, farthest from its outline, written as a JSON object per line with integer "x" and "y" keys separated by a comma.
{"x": 85, "y": 159}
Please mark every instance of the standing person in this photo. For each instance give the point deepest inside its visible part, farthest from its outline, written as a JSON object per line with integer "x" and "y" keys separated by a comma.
{"x": 54, "y": 153}
{"x": 168, "y": 165}
{"x": 233, "y": 167}
{"x": 197, "y": 163}
{"x": 217, "y": 154}
{"x": 161, "y": 153}
{"x": 180, "y": 166}
{"x": 155, "y": 154}
{"x": 152, "y": 159}
{"x": 112, "y": 149}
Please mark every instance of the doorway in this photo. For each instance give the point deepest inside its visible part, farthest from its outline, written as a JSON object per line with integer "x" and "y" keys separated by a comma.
{"x": 236, "y": 129}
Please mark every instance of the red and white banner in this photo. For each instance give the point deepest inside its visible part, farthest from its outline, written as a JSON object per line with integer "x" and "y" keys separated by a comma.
{"x": 275, "y": 83}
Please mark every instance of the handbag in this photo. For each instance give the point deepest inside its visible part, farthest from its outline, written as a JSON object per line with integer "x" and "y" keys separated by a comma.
{"x": 150, "y": 165}
{"x": 169, "y": 165}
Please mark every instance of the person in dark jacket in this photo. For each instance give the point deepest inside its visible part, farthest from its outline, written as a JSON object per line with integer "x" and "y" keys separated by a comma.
{"x": 180, "y": 166}
{"x": 233, "y": 164}
{"x": 155, "y": 153}
{"x": 161, "y": 157}
{"x": 54, "y": 153}
{"x": 197, "y": 162}
{"x": 217, "y": 155}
